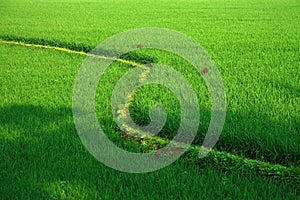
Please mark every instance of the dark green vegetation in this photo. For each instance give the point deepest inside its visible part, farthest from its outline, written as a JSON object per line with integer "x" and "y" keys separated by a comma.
{"x": 255, "y": 46}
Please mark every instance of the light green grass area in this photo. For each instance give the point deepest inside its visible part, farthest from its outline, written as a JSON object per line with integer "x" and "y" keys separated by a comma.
{"x": 256, "y": 48}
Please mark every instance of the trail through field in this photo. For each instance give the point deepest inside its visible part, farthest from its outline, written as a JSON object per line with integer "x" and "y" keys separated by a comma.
{"x": 221, "y": 160}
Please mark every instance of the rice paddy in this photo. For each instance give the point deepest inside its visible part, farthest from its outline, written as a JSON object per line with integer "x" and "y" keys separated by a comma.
{"x": 255, "y": 46}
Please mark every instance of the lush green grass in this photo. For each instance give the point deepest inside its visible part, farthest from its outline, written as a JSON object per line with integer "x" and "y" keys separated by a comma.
{"x": 42, "y": 156}
{"x": 254, "y": 44}
{"x": 256, "y": 48}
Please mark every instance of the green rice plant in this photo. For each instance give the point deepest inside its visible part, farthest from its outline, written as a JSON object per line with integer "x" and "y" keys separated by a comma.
{"x": 255, "y": 46}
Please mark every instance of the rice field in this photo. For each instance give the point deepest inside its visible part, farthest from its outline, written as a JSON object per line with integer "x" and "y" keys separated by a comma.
{"x": 255, "y": 46}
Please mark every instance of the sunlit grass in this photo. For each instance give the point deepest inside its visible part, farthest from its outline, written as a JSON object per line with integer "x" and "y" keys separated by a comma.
{"x": 255, "y": 46}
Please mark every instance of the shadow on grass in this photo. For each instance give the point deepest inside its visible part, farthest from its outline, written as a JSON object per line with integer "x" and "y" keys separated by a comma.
{"x": 37, "y": 145}
{"x": 130, "y": 56}
{"x": 42, "y": 157}
{"x": 251, "y": 135}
